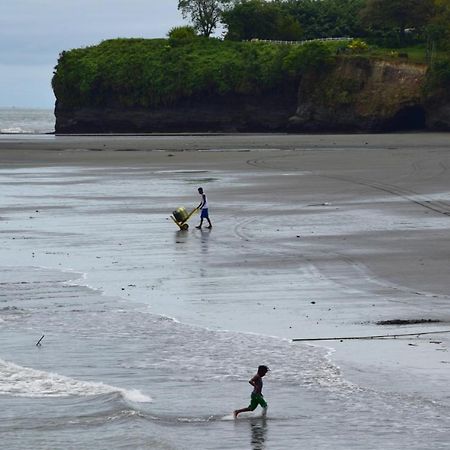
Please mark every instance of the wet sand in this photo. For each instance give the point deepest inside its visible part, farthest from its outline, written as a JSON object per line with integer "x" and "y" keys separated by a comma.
{"x": 323, "y": 236}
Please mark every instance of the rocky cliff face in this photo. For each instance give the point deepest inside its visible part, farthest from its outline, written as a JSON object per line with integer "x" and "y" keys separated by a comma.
{"x": 265, "y": 113}
{"x": 356, "y": 94}
{"x": 437, "y": 109}
{"x": 362, "y": 95}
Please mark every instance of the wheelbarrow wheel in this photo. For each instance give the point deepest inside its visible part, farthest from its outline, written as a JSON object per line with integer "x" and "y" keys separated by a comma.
{"x": 185, "y": 226}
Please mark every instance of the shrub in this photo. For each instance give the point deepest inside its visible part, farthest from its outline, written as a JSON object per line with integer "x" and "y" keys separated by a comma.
{"x": 313, "y": 55}
{"x": 181, "y": 35}
{"x": 357, "y": 46}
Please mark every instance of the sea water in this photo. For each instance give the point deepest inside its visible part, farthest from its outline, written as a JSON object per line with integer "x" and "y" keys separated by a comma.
{"x": 90, "y": 262}
{"x": 26, "y": 121}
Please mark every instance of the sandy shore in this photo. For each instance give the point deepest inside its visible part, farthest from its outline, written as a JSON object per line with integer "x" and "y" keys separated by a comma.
{"x": 80, "y": 149}
{"x": 340, "y": 232}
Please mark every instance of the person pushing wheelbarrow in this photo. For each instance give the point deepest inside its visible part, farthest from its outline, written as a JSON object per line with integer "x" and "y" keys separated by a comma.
{"x": 180, "y": 216}
{"x": 203, "y": 206}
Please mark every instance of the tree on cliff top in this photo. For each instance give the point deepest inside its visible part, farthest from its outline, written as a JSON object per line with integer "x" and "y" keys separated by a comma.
{"x": 438, "y": 28}
{"x": 397, "y": 14}
{"x": 262, "y": 20}
{"x": 204, "y": 14}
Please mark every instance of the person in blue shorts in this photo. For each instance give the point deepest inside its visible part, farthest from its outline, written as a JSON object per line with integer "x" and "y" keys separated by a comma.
{"x": 256, "y": 396}
{"x": 204, "y": 209}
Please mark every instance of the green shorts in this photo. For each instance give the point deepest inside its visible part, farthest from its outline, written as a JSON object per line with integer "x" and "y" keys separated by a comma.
{"x": 257, "y": 399}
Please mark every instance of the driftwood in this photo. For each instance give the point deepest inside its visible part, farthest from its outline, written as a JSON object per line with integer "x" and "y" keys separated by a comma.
{"x": 380, "y": 336}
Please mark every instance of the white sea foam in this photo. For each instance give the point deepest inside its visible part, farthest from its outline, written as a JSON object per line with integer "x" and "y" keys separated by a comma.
{"x": 135, "y": 395}
{"x": 13, "y": 130}
{"x": 21, "y": 381}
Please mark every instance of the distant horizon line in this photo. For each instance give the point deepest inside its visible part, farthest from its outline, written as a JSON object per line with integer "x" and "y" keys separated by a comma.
{"x": 27, "y": 107}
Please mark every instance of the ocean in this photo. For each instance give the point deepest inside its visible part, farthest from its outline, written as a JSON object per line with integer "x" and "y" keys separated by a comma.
{"x": 150, "y": 335}
{"x": 26, "y": 121}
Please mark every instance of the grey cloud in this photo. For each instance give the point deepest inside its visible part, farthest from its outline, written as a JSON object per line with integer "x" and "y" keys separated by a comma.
{"x": 34, "y": 32}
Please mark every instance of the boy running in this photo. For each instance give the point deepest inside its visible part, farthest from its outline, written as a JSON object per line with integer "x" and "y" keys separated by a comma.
{"x": 256, "y": 396}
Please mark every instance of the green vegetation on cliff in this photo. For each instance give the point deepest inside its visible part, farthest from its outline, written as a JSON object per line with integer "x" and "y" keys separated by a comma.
{"x": 157, "y": 72}
{"x": 150, "y": 73}
{"x": 389, "y": 23}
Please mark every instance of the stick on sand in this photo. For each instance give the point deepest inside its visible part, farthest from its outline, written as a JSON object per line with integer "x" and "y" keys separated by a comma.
{"x": 381, "y": 336}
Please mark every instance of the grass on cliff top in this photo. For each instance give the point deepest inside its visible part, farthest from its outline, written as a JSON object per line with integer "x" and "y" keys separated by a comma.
{"x": 158, "y": 72}
{"x": 415, "y": 54}
{"x": 151, "y": 73}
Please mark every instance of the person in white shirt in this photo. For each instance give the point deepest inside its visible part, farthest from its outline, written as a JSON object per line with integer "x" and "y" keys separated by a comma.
{"x": 204, "y": 207}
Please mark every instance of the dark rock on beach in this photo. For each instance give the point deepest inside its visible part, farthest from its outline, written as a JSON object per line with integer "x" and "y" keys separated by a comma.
{"x": 407, "y": 321}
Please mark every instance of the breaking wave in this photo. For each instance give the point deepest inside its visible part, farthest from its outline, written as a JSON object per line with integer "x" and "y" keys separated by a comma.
{"x": 21, "y": 381}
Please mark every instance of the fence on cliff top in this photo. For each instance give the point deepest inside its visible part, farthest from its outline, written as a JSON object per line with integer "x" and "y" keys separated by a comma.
{"x": 302, "y": 42}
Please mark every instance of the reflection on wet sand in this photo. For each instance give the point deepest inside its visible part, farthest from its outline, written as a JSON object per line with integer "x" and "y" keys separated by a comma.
{"x": 258, "y": 429}
{"x": 204, "y": 236}
{"x": 181, "y": 236}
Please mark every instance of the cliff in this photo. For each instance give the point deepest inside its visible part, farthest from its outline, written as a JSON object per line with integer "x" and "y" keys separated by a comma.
{"x": 227, "y": 113}
{"x": 151, "y": 86}
{"x": 359, "y": 94}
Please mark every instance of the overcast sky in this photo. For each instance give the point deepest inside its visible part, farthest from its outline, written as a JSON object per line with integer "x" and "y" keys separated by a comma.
{"x": 34, "y": 32}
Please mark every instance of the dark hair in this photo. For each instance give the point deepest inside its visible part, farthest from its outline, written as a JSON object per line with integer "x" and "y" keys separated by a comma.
{"x": 263, "y": 369}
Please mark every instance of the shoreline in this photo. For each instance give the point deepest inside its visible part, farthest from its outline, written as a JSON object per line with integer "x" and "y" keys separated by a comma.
{"x": 366, "y": 249}
{"x": 129, "y": 144}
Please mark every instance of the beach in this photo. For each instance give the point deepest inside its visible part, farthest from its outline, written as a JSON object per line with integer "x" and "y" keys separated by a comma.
{"x": 151, "y": 333}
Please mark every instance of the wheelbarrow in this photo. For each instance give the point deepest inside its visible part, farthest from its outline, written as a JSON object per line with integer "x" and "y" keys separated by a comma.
{"x": 180, "y": 216}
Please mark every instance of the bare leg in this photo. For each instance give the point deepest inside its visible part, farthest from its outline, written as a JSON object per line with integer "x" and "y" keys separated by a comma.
{"x": 238, "y": 411}
{"x": 210, "y": 224}
{"x": 201, "y": 222}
